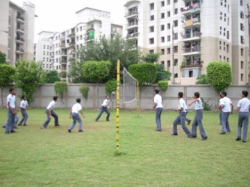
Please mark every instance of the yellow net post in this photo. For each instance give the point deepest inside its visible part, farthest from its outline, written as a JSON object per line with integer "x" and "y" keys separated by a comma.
{"x": 137, "y": 98}
{"x": 118, "y": 108}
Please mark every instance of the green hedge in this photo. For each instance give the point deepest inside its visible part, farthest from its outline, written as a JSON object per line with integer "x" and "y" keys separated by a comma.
{"x": 163, "y": 85}
{"x": 84, "y": 90}
{"x": 110, "y": 86}
{"x": 61, "y": 88}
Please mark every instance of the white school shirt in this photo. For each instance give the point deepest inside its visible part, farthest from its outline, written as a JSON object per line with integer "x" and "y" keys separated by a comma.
{"x": 11, "y": 99}
{"x": 24, "y": 104}
{"x": 244, "y": 105}
{"x": 158, "y": 101}
{"x": 182, "y": 104}
{"x": 76, "y": 108}
{"x": 51, "y": 105}
{"x": 105, "y": 103}
{"x": 198, "y": 104}
{"x": 226, "y": 102}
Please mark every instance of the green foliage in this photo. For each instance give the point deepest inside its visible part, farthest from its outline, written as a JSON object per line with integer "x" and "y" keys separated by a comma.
{"x": 145, "y": 73}
{"x": 52, "y": 77}
{"x": 206, "y": 105}
{"x": 84, "y": 90}
{"x": 151, "y": 57}
{"x": 110, "y": 86}
{"x": 75, "y": 71}
{"x": 161, "y": 73}
{"x": 219, "y": 75}
{"x": 163, "y": 85}
{"x": 96, "y": 72}
{"x": 2, "y": 58}
{"x": 61, "y": 88}
{"x": 202, "y": 79}
{"x": 29, "y": 75}
{"x": 63, "y": 74}
{"x": 6, "y": 73}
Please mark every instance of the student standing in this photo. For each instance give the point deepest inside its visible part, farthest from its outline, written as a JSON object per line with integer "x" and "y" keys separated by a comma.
{"x": 12, "y": 111}
{"x": 104, "y": 108}
{"x": 23, "y": 107}
{"x": 74, "y": 113}
{"x": 219, "y": 109}
{"x": 243, "y": 108}
{"x": 227, "y": 107}
{"x": 158, "y": 109}
{"x": 182, "y": 109}
{"x": 50, "y": 113}
{"x": 198, "y": 117}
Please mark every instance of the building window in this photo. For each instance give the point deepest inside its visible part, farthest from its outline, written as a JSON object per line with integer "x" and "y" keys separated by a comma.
{"x": 241, "y": 77}
{"x": 175, "y": 49}
{"x": 44, "y": 47}
{"x": 152, "y": 6}
{"x": 175, "y": 62}
{"x": 163, "y": 3}
{"x": 227, "y": 59}
{"x": 152, "y": 18}
{"x": 169, "y": 38}
{"x": 151, "y": 41}
{"x": 151, "y": 29}
{"x": 81, "y": 37}
{"x": 241, "y": 27}
{"x": 168, "y": 13}
{"x": 242, "y": 15}
{"x": 163, "y": 51}
{"x": 80, "y": 28}
{"x": 44, "y": 53}
{"x": 228, "y": 35}
{"x": 242, "y": 52}
{"x": 168, "y": 50}
{"x": 242, "y": 65}
{"x": 176, "y": 23}
{"x": 151, "y": 51}
{"x": 162, "y": 15}
{"x": 242, "y": 39}
{"x": 168, "y": 63}
{"x": 176, "y": 75}
{"x": 241, "y": 2}
{"x": 162, "y": 27}
{"x": 175, "y": 1}
{"x": 227, "y": 48}
{"x": 190, "y": 73}
{"x": 176, "y": 11}
{"x": 162, "y": 39}
{"x": 162, "y": 62}
{"x": 175, "y": 36}
{"x": 169, "y": 26}
{"x": 47, "y": 52}
{"x": 168, "y": 2}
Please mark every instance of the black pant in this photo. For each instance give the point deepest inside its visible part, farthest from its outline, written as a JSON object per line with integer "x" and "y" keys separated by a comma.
{"x": 103, "y": 109}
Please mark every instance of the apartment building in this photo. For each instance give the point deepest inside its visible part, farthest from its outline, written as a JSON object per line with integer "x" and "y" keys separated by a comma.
{"x": 190, "y": 34}
{"x": 17, "y": 31}
{"x": 55, "y": 49}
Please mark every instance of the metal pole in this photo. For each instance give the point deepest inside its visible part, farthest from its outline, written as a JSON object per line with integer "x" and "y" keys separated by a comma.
{"x": 118, "y": 109}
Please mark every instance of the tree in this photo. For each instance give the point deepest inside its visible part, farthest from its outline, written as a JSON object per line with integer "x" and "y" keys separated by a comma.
{"x": 52, "y": 77}
{"x": 145, "y": 73}
{"x": 163, "y": 85}
{"x": 84, "y": 90}
{"x": 75, "y": 71}
{"x": 151, "y": 57}
{"x": 61, "y": 88}
{"x": 2, "y": 58}
{"x": 63, "y": 74}
{"x": 110, "y": 86}
{"x": 161, "y": 73}
{"x": 219, "y": 75}
{"x": 6, "y": 73}
{"x": 202, "y": 79}
{"x": 29, "y": 75}
{"x": 96, "y": 72}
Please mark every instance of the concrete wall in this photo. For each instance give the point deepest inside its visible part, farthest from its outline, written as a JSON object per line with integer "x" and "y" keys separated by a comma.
{"x": 44, "y": 95}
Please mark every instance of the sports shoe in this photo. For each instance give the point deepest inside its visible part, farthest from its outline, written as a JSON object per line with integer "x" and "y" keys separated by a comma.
{"x": 80, "y": 130}
{"x": 69, "y": 130}
{"x": 174, "y": 134}
{"x": 205, "y": 138}
{"x": 238, "y": 139}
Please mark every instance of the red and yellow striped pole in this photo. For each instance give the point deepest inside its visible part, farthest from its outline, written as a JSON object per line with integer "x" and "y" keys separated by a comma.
{"x": 117, "y": 147}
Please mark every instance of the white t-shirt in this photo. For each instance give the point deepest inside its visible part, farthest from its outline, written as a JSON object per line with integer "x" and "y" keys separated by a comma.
{"x": 51, "y": 105}
{"x": 158, "y": 101}
{"x": 24, "y": 104}
{"x": 11, "y": 99}
{"x": 105, "y": 102}
{"x": 226, "y": 102}
{"x": 198, "y": 104}
{"x": 244, "y": 105}
{"x": 76, "y": 108}
{"x": 182, "y": 104}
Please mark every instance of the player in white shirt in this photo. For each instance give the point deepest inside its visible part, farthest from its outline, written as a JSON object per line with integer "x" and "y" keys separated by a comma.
{"x": 243, "y": 108}
{"x": 198, "y": 117}
{"x": 227, "y": 108}
{"x": 159, "y": 107}
{"x": 23, "y": 107}
{"x": 104, "y": 108}
{"x": 74, "y": 113}
{"x": 182, "y": 109}
{"x": 50, "y": 113}
{"x": 12, "y": 111}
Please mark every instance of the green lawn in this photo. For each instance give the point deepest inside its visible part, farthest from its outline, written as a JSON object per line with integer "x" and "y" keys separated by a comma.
{"x": 54, "y": 157}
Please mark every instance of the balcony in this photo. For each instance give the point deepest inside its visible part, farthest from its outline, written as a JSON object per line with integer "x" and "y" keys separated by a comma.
{"x": 63, "y": 61}
{"x": 132, "y": 35}
{"x": 20, "y": 30}
{"x": 20, "y": 40}
{"x": 194, "y": 8}
{"x": 19, "y": 51}
{"x": 192, "y": 22}
{"x": 64, "y": 54}
{"x": 191, "y": 64}
{"x": 62, "y": 45}
{"x": 194, "y": 50}
{"x": 131, "y": 14}
{"x": 20, "y": 19}
{"x": 132, "y": 25}
{"x": 192, "y": 36}
{"x": 72, "y": 35}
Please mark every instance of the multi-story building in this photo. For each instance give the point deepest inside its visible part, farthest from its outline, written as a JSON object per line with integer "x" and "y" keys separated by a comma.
{"x": 56, "y": 49}
{"x": 17, "y": 31}
{"x": 190, "y": 34}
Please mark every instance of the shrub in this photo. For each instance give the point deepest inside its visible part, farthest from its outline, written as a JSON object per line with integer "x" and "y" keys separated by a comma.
{"x": 206, "y": 106}
{"x": 61, "y": 88}
{"x": 145, "y": 73}
{"x": 52, "y": 77}
{"x": 219, "y": 75}
{"x": 202, "y": 79}
{"x": 110, "y": 86}
{"x": 84, "y": 90}
{"x": 163, "y": 85}
{"x": 63, "y": 74}
{"x": 2, "y": 58}
{"x": 96, "y": 71}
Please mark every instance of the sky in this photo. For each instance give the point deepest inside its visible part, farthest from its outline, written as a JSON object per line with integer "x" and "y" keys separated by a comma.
{"x": 59, "y": 15}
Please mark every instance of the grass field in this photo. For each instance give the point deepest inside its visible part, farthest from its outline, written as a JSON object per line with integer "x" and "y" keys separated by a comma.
{"x": 54, "y": 157}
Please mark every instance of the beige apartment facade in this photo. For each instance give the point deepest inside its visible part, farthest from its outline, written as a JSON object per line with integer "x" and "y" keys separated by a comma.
{"x": 202, "y": 31}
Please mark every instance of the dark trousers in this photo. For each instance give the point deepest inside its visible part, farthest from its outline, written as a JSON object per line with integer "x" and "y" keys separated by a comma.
{"x": 24, "y": 115}
{"x": 198, "y": 122}
{"x": 10, "y": 124}
{"x": 181, "y": 120}
{"x": 54, "y": 115}
{"x": 103, "y": 109}
{"x": 243, "y": 119}
{"x": 225, "y": 123}
{"x": 158, "y": 118}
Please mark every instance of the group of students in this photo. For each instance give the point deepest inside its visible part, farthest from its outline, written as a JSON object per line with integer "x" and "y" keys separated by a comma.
{"x": 225, "y": 107}
{"x": 12, "y": 117}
